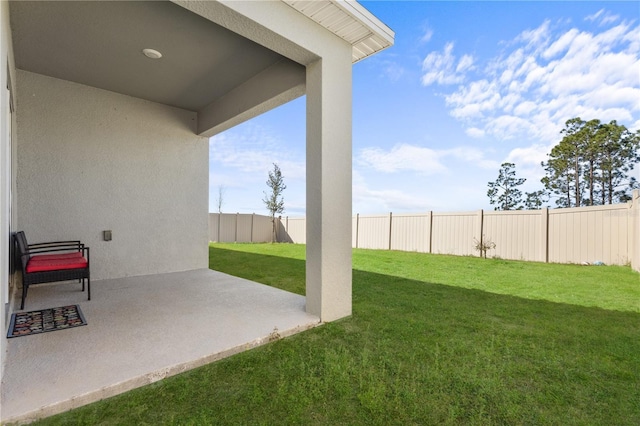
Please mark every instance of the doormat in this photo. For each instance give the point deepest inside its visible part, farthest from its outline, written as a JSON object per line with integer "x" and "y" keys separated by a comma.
{"x": 52, "y": 319}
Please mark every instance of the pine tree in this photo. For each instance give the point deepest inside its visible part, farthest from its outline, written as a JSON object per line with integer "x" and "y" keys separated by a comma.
{"x": 592, "y": 158}
{"x": 534, "y": 200}
{"x": 557, "y": 181}
{"x": 619, "y": 154}
{"x": 592, "y": 153}
{"x": 504, "y": 191}
{"x": 566, "y": 164}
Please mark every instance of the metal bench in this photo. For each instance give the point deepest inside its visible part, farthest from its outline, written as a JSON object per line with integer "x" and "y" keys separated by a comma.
{"x": 51, "y": 262}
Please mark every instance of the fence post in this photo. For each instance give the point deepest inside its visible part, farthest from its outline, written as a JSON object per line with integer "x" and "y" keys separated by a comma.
{"x": 235, "y": 237}
{"x": 253, "y": 215}
{"x": 278, "y": 225}
{"x": 430, "y": 230}
{"x": 481, "y": 227}
{"x": 390, "y": 225}
{"x": 544, "y": 227}
{"x": 635, "y": 230}
{"x": 357, "y": 228}
{"x": 218, "y": 236}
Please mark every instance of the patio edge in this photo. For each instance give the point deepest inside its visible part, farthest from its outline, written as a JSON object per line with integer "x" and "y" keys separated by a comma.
{"x": 149, "y": 378}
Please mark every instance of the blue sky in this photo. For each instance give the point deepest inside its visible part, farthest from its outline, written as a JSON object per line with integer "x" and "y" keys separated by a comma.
{"x": 467, "y": 86}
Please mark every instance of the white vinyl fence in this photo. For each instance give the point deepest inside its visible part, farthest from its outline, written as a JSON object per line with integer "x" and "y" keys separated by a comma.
{"x": 240, "y": 228}
{"x": 610, "y": 234}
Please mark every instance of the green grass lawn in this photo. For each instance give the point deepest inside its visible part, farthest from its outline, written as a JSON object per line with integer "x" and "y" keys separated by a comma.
{"x": 432, "y": 340}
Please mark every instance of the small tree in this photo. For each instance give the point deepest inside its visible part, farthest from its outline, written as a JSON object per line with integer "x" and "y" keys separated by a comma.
{"x": 273, "y": 200}
{"x": 504, "y": 191}
{"x": 221, "y": 191}
{"x": 220, "y": 201}
{"x": 485, "y": 244}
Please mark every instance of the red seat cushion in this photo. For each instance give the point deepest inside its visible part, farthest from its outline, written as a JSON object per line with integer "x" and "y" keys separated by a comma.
{"x": 56, "y": 264}
{"x": 57, "y": 256}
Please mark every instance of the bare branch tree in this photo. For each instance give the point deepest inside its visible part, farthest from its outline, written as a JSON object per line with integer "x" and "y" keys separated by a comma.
{"x": 221, "y": 193}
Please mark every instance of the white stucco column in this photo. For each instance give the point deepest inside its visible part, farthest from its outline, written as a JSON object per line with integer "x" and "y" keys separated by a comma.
{"x": 328, "y": 281}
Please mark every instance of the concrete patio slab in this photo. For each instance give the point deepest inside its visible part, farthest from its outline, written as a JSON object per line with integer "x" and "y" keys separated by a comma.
{"x": 140, "y": 330}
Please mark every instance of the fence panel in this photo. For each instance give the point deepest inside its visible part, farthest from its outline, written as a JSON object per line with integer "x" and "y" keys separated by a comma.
{"x": 227, "y": 227}
{"x": 244, "y": 228}
{"x": 241, "y": 228}
{"x": 373, "y": 232}
{"x": 453, "y": 233}
{"x": 409, "y": 232}
{"x": 296, "y": 229}
{"x": 213, "y": 227}
{"x": 589, "y": 234}
{"x": 355, "y": 223}
{"x": 517, "y": 234}
{"x": 610, "y": 234}
{"x": 262, "y": 228}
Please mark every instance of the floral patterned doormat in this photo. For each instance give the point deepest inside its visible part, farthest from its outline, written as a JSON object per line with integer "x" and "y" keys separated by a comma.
{"x": 35, "y": 322}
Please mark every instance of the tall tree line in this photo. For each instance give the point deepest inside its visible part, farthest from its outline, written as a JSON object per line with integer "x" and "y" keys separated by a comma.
{"x": 591, "y": 165}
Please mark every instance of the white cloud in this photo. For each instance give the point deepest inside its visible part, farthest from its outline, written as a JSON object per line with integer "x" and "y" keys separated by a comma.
{"x": 384, "y": 200}
{"x": 603, "y": 16}
{"x": 560, "y": 45}
{"x": 393, "y": 70}
{"x": 444, "y": 68}
{"x": 543, "y": 78}
{"x": 507, "y": 127}
{"x": 595, "y": 15}
{"x": 373, "y": 194}
{"x": 402, "y": 157}
{"x": 466, "y": 62}
{"x": 633, "y": 38}
{"x": 425, "y": 161}
{"x": 536, "y": 37}
{"x": 529, "y": 156}
{"x": 474, "y": 132}
{"x": 426, "y": 37}
{"x": 473, "y": 100}
{"x": 368, "y": 200}
{"x": 527, "y": 161}
{"x": 471, "y": 155}
{"x": 253, "y": 149}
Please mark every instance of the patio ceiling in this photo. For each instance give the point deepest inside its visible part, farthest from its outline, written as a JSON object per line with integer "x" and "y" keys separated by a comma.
{"x": 100, "y": 44}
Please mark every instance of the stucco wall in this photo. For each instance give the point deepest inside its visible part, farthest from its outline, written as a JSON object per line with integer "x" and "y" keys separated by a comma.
{"x": 6, "y": 66}
{"x": 91, "y": 160}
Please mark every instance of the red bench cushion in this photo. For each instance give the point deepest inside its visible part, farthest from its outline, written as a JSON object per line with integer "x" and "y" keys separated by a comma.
{"x": 47, "y": 257}
{"x": 45, "y": 265}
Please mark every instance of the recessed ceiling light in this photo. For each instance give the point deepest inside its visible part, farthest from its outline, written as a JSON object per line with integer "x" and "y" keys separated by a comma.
{"x": 152, "y": 53}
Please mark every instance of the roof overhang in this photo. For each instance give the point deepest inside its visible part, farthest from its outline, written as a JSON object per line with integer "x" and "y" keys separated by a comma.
{"x": 226, "y": 60}
{"x": 350, "y": 21}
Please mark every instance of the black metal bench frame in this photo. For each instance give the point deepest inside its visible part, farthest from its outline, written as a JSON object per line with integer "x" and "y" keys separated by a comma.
{"x": 26, "y": 251}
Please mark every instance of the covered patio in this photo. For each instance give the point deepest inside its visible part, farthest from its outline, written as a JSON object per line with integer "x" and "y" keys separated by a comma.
{"x": 140, "y": 330}
{"x": 109, "y": 107}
